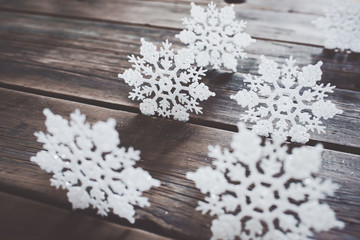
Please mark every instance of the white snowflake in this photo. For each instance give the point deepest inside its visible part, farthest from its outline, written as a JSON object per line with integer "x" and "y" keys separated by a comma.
{"x": 262, "y": 192}
{"x": 87, "y": 162}
{"x": 165, "y": 82}
{"x": 215, "y": 36}
{"x": 282, "y": 98}
{"x": 341, "y": 25}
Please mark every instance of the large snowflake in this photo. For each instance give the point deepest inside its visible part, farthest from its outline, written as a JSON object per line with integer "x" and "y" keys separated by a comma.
{"x": 341, "y": 25}
{"x": 165, "y": 82}
{"x": 286, "y": 100}
{"x": 215, "y": 36}
{"x": 262, "y": 192}
{"x": 87, "y": 162}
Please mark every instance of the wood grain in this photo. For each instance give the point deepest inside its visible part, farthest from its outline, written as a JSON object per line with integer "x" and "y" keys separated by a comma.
{"x": 300, "y": 6}
{"x": 169, "y": 149}
{"x": 56, "y": 37}
{"x": 79, "y": 60}
{"x": 23, "y": 217}
{"x": 281, "y": 26}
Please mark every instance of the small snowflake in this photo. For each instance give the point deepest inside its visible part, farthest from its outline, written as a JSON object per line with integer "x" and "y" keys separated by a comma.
{"x": 281, "y": 100}
{"x": 87, "y": 162}
{"x": 165, "y": 82}
{"x": 262, "y": 192}
{"x": 215, "y": 36}
{"x": 341, "y": 25}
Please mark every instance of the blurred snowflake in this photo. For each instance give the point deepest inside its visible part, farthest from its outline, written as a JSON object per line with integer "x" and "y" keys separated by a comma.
{"x": 281, "y": 100}
{"x": 166, "y": 83}
{"x": 215, "y": 36}
{"x": 341, "y": 25}
{"x": 263, "y": 192}
{"x": 86, "y": 161}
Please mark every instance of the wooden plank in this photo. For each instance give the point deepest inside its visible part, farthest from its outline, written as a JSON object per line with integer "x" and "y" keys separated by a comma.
{"x": 281, "y": 26}
{"x": 81, "y": 59}
{"x": 23, "y": 217}
{"x": 299, "y": 6}
{"x": 169, "y": 149}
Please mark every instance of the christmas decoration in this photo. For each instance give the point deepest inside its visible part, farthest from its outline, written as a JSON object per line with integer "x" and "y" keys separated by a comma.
{"x": 262, "y": 192}
{"x": 86, "y": 161}
{"x": 341, "y": 25}
{"x": 215, "y": 36}
{"x": 165, "y": 82}
{"x": 286, "y": 100}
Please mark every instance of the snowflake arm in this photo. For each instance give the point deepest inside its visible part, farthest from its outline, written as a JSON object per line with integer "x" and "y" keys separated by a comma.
{"x": 215, "y": 36}
{"x": 86, "y": 161}
{"x": 165, "y": 82}
{"x": 263, "y": 192}
{"x": 286, "y": 100}
{"x": 341, "y": 25}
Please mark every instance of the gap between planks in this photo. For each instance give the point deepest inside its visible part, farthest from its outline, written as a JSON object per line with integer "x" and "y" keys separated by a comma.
{"x": 200, "y": 122}
{"x": 83, "y": 18}
{"x": 259, "y": 25}
{"x": 300, "y": 6}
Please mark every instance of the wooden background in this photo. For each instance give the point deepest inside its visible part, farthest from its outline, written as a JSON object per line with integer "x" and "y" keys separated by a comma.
{"x": 66, "y": 54}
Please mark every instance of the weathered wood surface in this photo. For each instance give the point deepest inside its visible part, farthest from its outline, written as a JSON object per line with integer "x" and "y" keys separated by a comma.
{"x": 81, "y": 59}
{"x": 23, "y": 217}
{"x": 179, "y": 148}
{"x": 299, "y": 6}
{"x": 281, "y": 26}
{"x": 68, "y": 54}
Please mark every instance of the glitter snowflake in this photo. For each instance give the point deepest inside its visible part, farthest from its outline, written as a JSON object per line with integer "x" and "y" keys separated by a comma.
{"x": 341, "y": 25}
{"x": 215, "y": 36}
{"x": 282, "y": 98}
{"x": 262, "y": 192}
{"x": 86, "y": 161}
{"x": 165, "y": 82}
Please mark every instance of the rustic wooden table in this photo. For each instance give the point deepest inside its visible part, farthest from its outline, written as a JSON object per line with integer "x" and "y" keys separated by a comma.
{"x": 66, "y": 54}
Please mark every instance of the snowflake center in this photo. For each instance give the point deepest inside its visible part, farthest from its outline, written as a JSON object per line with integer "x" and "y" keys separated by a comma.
{"x": 165, "y": 84}
{"x": 261, "y": 197}
{"x": 284, "y": 104}
{"x": 214, "y": 38}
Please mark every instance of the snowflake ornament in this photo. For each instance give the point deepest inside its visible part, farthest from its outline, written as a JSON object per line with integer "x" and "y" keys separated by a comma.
{"x": 282, "y": 98}
{"x": 165, "y": 82}
{"x": 87, "y": 162}
{"x": 262, "y": 192}
{"x": 215, "y": 36}
{"x": 341, "y": 25}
